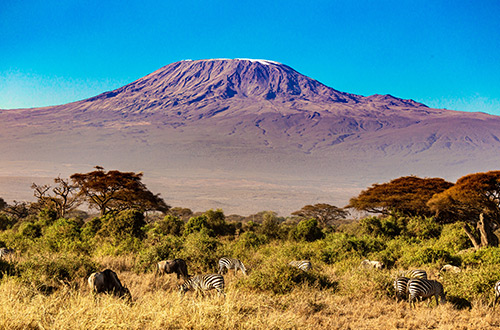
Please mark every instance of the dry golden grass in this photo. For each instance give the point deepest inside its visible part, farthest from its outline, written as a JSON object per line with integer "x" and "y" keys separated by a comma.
{"x": 157, "y": 305}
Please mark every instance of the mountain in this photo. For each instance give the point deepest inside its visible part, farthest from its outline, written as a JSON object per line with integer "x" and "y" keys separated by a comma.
{"x": 244, "y": 135}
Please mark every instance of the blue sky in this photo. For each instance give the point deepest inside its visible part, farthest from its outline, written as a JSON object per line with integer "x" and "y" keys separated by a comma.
{"x": 445, "y": 54}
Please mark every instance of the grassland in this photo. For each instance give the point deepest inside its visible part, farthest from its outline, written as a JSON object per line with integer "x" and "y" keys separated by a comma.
{"x": 157, "y": 305}
{"x": 44, "y": 285}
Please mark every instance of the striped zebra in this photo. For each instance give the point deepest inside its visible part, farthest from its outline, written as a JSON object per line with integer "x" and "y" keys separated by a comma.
{"x": 4, "y": 252}
{"x": 304, "y": 265}
{"x": 401, "y": 288}
{"x": 415, "y": 273}
{"x": 423, "y": 289}
{"x": 227, "y": 263}
{"x": 200, "y": 283}
{"x": 497, "y": 292}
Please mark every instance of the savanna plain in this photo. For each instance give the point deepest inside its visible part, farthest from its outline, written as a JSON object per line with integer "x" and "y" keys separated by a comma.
{"x": 44, "y": 284}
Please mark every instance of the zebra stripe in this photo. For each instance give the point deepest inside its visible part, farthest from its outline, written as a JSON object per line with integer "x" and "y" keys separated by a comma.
{"x": 200, "y": 283}
{"x": 415, "y": 273}
{"x": 401, "y": 287}
{"x": 5, "y": 252}
{"x": 227, "y": 263}
{"x": 422, "y": 288}
{"x": 497, "y": 292}
{"x": 304, "y": 265}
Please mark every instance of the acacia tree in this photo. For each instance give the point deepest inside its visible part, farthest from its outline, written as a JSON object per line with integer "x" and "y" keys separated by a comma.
{"x": 115, "y": 191}
{"x": 62, "y": 199}
{"x": 406, "y": 195}
{"x": 475, "y": 200}
{"x": 324, "y": 213}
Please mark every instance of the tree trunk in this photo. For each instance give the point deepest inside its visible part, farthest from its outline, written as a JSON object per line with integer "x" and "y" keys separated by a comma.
{"x": 484, "y": 235}
{"x": 485, "y": 227}
{"x": 476, "y": 241}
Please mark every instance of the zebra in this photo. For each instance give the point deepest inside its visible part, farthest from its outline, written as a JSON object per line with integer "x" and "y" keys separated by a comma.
{"x": 401, "y": 287}
{"x": 200, "y": 283}
{"x": 422, "y": 288}
{"x": 227, "y": 263}
{"x": 4, "y": 252}
{"x": 304, "y": 265}
{"x": 415, "y": 273}
{"x": 497, "y": 293}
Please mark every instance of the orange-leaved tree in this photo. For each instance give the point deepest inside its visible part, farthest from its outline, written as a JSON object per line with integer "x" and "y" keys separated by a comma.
{"x": 475, "y": 200}
{"x": 115, "y": 191}
{"x": 324, "y": 213}
{"x": 406, "y": 195}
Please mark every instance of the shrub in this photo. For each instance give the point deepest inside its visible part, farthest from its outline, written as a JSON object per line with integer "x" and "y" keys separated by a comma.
{"x": 454, "y": 238}
{"x": 306, "y": 230}
{"x": 200, "y": 249}
{"x": 196, "y": 224}
{"x": 281, "y": 279}
{"x": 385, "y": 227}
{"x": 63, "y": 234}
{"x": 342, "y": 246}
{"x": 170, "y": 225}
{"x": 250, "y": 239}
{"x": 423, "y": 227}
{"x": 30, "y": 230}
{"x": 418, "y": 255}
{"x": 47, "y": 272}
{"x": 270, "y": 225}
{"x": 472, "y": 284}
{"x": 126, "y": 224}
{"x": 168, "y": 248}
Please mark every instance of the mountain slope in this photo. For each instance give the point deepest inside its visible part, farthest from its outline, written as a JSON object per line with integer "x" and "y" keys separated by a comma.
{"x": 230, "y": 122}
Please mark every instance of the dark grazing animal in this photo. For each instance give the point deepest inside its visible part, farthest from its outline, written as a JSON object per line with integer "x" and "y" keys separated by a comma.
{"x": 177, "y": 266}
{"x": 107, "y": 282}
{"x": 201, "y": 283}
{"x": 304, "y": 265}
{"x": 227, "y": 263}
{"x": 400, "y": 287}
{"x": 422, "y": 288}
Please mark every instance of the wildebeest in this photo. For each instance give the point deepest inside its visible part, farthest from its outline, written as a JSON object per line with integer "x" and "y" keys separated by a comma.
{"x": 4, "y": 252}
{"x": 107, "y": 282}
{"x": 177, "y": 266}
{"x": 372, "y": 264}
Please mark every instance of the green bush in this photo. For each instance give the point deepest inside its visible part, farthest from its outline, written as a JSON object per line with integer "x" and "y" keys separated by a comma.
{"x": 484, "y": 256}
{"x": 342, "y": 246}
{"x": 418, "y": 255}
{"x": 90, "y": 229}
{"x": 63, "y": 234}
{"x": 306, "y": 230}
{"x": 30, "y": 230}
{"x": 48, "y": 272}
{"x": 423, "y": 227}
{"x": 473, "y": 284}
{"x": 167, "y": 248}
{"x": 282, "y": 279}
{"x": 170, "y": 225}
{"x": 200, "y": 250}
{"x": 126, "y": 224}
{"x": 250, "y": 239}
{"x": 454, "y": 238}
{"x": 197, "y": 224}
{"x": 386, "y": 227}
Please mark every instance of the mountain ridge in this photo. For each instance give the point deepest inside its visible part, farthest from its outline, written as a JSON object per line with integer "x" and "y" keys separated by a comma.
{"x": 242, "y": 119}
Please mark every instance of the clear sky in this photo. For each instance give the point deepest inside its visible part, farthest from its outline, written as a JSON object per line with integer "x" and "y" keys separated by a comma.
{"x": 445, "y": 54}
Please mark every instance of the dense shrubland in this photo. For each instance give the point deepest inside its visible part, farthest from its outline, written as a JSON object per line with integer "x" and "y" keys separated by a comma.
{"x": 55, "y": 255}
